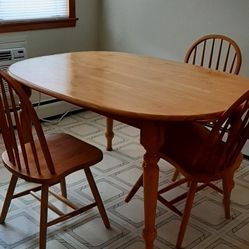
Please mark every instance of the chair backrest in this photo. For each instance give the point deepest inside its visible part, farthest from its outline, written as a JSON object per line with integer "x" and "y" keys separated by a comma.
{"x": 217, "y": 52}
{"x": 226, "y": 139}
{"x": 21, "y": 129}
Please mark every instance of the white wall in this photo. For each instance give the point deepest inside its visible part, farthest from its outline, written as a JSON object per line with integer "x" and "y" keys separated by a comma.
{"x": 166, "y": 28}
{"x": 82, "y": 37}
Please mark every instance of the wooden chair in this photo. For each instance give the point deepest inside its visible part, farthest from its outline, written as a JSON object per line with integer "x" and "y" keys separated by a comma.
{"x": 41, "y": 159}
{"x": 203, "y": 156}
{"x": 217, "y": 52}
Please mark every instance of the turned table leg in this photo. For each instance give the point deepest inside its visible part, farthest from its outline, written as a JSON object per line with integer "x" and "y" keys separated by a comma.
{"x": 151, "y": 139}
{"x": 109, "y": 133}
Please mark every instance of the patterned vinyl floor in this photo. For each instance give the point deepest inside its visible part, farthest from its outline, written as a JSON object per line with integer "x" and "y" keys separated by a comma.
{"x": 115, "y": 175}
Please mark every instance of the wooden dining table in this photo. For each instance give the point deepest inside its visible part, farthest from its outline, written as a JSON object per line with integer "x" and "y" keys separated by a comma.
{"x": 141, "y": 91}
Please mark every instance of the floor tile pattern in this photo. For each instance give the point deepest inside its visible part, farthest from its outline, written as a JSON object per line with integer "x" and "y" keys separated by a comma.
{"x": 208, "y": 228}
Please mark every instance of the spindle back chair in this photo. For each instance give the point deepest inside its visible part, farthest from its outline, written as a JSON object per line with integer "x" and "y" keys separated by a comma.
{"x": 14, "y": 105}
{"x": 41, "y": 159}
{"x": 217, "y": 52}
{"x": 204, "y": 156}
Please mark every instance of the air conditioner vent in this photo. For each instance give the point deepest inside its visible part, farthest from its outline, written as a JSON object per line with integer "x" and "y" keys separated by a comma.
{"x": 5, "y": 55}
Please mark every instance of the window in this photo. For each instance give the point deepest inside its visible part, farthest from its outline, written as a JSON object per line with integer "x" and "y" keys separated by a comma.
{"x": 20, "y": 15}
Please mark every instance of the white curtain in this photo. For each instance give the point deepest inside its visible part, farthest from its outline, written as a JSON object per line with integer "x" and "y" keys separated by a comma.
{"x": 33, "y": 9}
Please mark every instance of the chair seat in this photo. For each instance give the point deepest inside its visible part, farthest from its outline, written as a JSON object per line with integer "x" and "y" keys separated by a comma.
{"x": 68, "y": 154}
{"x": 182, "y": 143}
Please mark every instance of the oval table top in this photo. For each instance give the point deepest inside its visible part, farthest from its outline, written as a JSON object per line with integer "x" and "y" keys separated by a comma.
{"x": 130, "y": 85}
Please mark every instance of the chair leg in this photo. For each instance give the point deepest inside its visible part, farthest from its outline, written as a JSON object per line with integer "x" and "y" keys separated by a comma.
{"x": 8, "y": 198}
{"x": 43, "y": 216}
{"x": 97, "y": 197}
{"x": 186, "y": 214}
{"x": 109, "y": 133}
{"x": 228, "y": 185}
{"x": 135, "y": 188}
{"x": 63, "y": 188}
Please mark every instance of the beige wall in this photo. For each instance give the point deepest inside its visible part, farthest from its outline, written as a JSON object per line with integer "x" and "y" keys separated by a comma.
{"x": 166, "y": 28}
{"x": 82, "y": 37}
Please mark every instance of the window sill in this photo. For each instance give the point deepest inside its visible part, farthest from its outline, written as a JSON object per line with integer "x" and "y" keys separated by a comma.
{"x": 36, "y": 25}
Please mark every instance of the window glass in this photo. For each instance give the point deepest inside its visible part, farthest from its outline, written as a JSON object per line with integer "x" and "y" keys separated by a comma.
{"x": 30, "y": 9}
{"x": 20, "y": 15}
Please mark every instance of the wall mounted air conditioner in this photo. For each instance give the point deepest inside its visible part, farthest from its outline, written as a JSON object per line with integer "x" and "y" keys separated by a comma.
{"x": 46, "y": 106}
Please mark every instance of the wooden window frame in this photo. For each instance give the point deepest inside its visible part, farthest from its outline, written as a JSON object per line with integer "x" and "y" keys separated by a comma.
{"x": 50, "y": 23}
